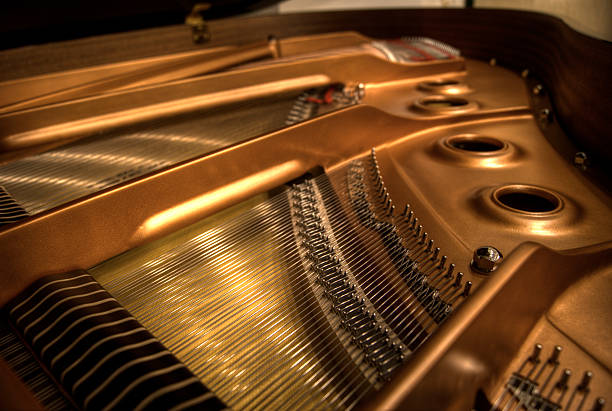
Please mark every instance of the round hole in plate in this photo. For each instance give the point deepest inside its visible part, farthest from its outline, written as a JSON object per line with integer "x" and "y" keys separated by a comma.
{"x": 476, "y": 144}
{"x": 442, "y": 103}
{"x": 441, "y": 83}
{"x": 445, "y": 86}
{"x": 528, "y": 199}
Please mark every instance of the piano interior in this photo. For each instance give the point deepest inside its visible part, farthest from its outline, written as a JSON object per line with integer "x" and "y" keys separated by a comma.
{"x": 329, "y": 220}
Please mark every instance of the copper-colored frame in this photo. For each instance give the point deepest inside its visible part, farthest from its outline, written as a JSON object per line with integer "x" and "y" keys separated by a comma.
{"x": 452, "y": 194}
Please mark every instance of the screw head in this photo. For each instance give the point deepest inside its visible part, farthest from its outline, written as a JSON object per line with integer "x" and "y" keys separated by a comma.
{"x": 360, "y": 91}
{"x": 544, "y": 116}
{"x": 486, "y": 259}
{"x": 538, "y": 89}
{"x": 200, "y": 33}
{"x": 581, "y": 160}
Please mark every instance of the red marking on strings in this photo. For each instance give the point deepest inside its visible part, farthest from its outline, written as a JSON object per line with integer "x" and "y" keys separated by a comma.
{"x": 314, "y": 100}
{"x": 328, "y": 97}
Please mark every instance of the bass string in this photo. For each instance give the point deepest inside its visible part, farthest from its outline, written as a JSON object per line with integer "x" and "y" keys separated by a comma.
{"x": 437, "y": 279}
{"x": 48, "y": 179}
{"x": 420, "y": 314}
{"x": 420, "y": 249}
{"x": 193, "y": 260}
{"x": 372, "y": 267}
{"x": 450, "y": 292}
{"x": 196, "y": 245}
{"x": 369, "y": 261}
{"x": 353, "y": 390}
{"x": 231, "y": 241}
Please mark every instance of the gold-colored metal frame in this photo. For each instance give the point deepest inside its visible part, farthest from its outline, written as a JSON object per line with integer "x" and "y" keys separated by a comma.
{"x": 452, "y": 193}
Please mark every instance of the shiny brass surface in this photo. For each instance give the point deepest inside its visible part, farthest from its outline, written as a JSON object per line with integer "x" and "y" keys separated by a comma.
{"x": 54, "y": 87}
{"x": 243, "y": 317}
{"x": 153, "y": 74}
{"x": 582, "y": 314}
{"x": 66, "y": 120}
{"x": 456, "y": 169}
{"x": 400, "y": 95}
{"x": 489, "y": 331}
{"x": 40, "y": 182}
{"x": 423, "y": 164}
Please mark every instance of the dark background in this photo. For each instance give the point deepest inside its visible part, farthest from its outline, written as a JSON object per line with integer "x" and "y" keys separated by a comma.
{"x": 31, "y": 22}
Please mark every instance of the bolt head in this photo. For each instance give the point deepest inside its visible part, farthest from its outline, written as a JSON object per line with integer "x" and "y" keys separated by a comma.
{"x": 538, "y": 89}
{"x": 544, "y": 116}
{"x": 486, "y": 259}
{"x": 360, "y": 90}
{"x": 581, "y": 160}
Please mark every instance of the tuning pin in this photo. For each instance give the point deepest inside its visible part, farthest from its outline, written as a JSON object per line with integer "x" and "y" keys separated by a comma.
{"x": 458, "y": 279}
{"x": 414, "y": 223}
{"x": 410, "y": 216}
{"x": 430, "y": 246}
{"x": 391, "y": 210}
{"x": 586, "y": 380}
{"x": 468, "y": 287}
{"x": 554, "y": 357}
{"x": 406, "y": 209}
{"x": 535, "y": 355}
{"x": 424, "y": 238}
{"x": 449, "y": 273}
{"x": 562, "y": 383}
{"x": 419, "y": 230}
{"x": 599, "y": 404}
{"x": 435, "y": 255}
